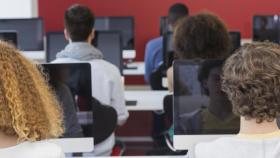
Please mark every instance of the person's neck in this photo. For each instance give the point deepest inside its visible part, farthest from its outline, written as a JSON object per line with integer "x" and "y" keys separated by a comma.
{"x": 7, "y": 141}
{"x": 252, "y": 127}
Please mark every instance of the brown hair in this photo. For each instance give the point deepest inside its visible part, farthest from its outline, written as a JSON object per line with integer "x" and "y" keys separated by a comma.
{"x": 251, "y": 79}
{"x": 28, "y": 109}
{"x": 201, "y": 36}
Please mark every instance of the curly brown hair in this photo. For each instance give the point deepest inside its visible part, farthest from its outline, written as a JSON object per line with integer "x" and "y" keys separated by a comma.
{"x": 28, "y": 108}
{"x": 251, "y": 79}
{"x": 201, "y": 36}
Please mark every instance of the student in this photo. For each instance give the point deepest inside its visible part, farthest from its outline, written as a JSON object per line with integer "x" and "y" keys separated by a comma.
{"x": 251, "y": 79}
{"x": 202, "y": 36}
{"x": 106, "y": 79}
{"x": 154, "y": 52}
{"x": 29, "y": 112}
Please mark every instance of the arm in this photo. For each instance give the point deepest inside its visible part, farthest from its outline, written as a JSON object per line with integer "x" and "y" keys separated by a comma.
{"x": 118, "y": 100}
{"x": 148, "y": 62}
{"x": 170, "y": 79}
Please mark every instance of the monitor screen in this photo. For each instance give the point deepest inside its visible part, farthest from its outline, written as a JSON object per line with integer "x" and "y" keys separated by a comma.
{"x": 109, "y": 43}
{"x": 72, "y": 86}
{"x": 55, "y": 43}
{"x": 266, "y": 28}
{"x": 235, "y": 37}
{"x": 200, "y": 106}
{"x": 9, "y": 36}
{"x": 123, "y": 24}
{"x": 168, "y": 51}
{"x": 30, "y": 32}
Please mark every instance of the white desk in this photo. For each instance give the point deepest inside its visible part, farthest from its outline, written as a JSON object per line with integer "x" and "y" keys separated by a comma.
{"x": 146, "y": 100}
{"x": 139, "y": 71}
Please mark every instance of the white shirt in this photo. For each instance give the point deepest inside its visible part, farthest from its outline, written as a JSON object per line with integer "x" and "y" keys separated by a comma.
{"x": 40, "y": 149}
{"x": 234, "y": 147}
{"x": 108, "y": 88}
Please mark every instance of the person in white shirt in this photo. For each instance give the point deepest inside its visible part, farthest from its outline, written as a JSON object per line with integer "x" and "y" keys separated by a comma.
{"x": 251, "y": 79}
{"x": 29, "y": 111}
{"x": 107, "y": 85}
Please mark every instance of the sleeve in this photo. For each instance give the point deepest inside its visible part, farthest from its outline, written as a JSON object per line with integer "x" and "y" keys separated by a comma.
{"x": 118, "y": 100}
{"x": 148, "y": 63}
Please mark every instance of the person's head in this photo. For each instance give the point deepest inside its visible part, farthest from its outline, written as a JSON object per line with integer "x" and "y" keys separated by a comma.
{"x": 202, "y": 36}
{"x": 28, "y": 109}
{"x": 176, "y": 12}
{"x": 251, "y": 79}
{"x": 209, "y": 76}
{"x": 79, "y": 23}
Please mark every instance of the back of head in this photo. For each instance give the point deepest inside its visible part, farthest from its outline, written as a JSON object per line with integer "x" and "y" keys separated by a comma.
{"x": 251, "y": 79}
{"x": 28, "y": 109}
{"x": 176, "y": 12}
{"x": 79, "y": 22}
{"x": 201, "y": 36}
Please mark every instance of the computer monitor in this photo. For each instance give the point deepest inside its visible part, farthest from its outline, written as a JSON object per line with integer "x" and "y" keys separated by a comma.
{"x": 168, "y": 51}
{"x": 110, "y": 44}
{"x": 266, "y": 28}
{"x": 123, "y": 24}
{"x": 30, "y": 32}
{"x": 55, "y": 43}
{"x": 164, "y": 27}
{"x": 235, "y": 37}
{"x": 71, "y": 83}
{"x": 9, "y": 36}
{"x": 202, "y": 111}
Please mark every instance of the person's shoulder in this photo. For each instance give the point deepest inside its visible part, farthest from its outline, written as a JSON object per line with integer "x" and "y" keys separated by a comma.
{"x": 43, "y": 149}
{"x": 155, "y": 41}
{"x": 214, "y": 148}
{"x": 105, "y": 68}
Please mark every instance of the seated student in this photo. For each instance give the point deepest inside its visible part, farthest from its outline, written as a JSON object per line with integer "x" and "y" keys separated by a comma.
{"x": 251, "y": 79}
{"x": 29, "y": 112}
{"x": 153, "y": 52}
{"x": 202, "y": 36}
{"x": 106, "y": 79}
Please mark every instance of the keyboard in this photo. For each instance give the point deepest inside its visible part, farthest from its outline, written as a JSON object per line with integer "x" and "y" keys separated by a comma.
{"x": 131, "y": 102}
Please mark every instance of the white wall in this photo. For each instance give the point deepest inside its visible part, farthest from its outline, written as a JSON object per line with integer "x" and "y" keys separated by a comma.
{"x": 18, "y": 8}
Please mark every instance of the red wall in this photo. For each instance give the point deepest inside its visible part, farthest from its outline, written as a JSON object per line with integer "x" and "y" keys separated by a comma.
{"x": 236, "y": 13}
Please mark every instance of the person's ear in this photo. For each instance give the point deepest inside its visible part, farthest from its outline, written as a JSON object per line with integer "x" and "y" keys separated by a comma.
{"x": 66, "y": 35}
{"x": 93, "y": 33}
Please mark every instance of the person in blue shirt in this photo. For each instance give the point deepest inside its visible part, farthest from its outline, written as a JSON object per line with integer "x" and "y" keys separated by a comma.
{"x": 154, "y": 51}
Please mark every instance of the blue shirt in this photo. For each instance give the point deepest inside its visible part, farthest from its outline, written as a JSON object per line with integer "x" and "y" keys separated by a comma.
{"x": 153, "y": 56}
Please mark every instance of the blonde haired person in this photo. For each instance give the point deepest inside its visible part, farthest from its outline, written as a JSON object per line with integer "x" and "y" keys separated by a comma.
{"x": 29, "y": 112}
{"x": 251, "y": 79}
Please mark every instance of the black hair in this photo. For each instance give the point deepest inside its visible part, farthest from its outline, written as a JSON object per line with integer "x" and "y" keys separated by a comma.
{"x": 177, "y": 11}
{"x": 79, "y": 22}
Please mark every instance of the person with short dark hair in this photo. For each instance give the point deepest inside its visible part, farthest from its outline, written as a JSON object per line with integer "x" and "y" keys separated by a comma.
{"x": 107, "y": 85}
{"x": 154, "y": 48}
{"x": 251, "y": 79}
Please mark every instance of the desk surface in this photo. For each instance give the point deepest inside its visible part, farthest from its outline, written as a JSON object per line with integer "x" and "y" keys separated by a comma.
{"x": 139, "y": 71}
{"x": 146, "y": 100}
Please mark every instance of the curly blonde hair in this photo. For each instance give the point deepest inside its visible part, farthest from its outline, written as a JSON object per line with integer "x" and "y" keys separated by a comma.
{"x": 28, "y": 108}
{"x": 251, "y": 79}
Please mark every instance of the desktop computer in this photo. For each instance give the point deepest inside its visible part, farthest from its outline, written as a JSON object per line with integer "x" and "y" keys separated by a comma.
{"x": 202, "y": 111}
